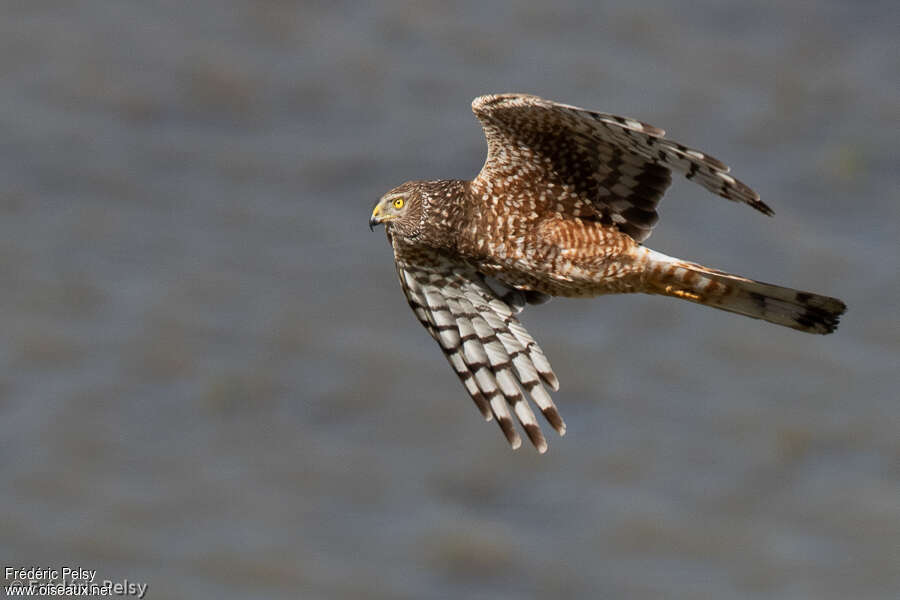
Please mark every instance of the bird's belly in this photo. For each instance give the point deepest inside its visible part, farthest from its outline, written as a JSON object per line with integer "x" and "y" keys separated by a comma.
{"x": 571, "y": 257}
{"x": 571, "y": 279}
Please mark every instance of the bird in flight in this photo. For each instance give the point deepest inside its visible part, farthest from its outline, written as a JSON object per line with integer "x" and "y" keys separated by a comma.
{"x": 561, "y": 207}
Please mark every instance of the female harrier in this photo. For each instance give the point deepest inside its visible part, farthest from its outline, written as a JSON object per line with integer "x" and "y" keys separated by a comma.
{"x": 561, "y": 208}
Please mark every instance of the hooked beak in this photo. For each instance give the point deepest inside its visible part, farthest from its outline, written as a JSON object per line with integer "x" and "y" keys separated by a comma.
{"x": 377, "y": 218}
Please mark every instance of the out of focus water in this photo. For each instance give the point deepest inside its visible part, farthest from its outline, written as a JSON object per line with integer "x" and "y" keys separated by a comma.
{"x": 210, "y": 381}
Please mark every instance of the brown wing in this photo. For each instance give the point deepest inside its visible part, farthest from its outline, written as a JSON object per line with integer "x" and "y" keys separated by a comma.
{"x": 484, "y": 342}
{"x": 589, "y": 164}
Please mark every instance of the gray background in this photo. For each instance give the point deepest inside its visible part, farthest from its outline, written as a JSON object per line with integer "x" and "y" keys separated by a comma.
{"x": 210, "y": 379}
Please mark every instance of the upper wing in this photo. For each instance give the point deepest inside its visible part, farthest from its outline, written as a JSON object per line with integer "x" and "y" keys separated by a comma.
{"x": 482, "y": 339}
{"x": 582, "y": 163}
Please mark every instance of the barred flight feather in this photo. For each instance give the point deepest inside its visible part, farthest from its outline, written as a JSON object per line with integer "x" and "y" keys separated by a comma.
{"x": 597, "y": 143}
{"x": 491, "y": 353}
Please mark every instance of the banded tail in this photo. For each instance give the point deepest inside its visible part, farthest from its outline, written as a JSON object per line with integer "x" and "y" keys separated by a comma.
{"x": 803, "y": 311}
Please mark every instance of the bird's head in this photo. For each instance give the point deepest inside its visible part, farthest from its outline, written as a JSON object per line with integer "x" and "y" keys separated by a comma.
{"x": 402, "y": 210}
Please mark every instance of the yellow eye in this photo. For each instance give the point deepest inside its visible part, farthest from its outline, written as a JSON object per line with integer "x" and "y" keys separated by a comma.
{"x": 398, "y": 203}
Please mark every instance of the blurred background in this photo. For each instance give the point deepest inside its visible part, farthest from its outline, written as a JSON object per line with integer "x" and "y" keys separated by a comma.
{"x": 210, "y": 381}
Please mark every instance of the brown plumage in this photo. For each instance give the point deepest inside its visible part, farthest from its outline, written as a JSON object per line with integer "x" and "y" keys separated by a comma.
{"x": 561, "y": 208}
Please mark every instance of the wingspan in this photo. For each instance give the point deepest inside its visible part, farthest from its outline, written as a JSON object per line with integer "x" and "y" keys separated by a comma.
{"x": 582, "y": 160}
{"x": 488, "y": 348}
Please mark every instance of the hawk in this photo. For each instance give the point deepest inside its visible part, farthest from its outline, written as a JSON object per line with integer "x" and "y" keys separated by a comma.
{"x": 561, "y": 207}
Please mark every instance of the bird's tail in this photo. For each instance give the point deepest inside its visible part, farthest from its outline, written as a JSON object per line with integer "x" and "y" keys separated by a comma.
{"x": 804, "y": 311}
